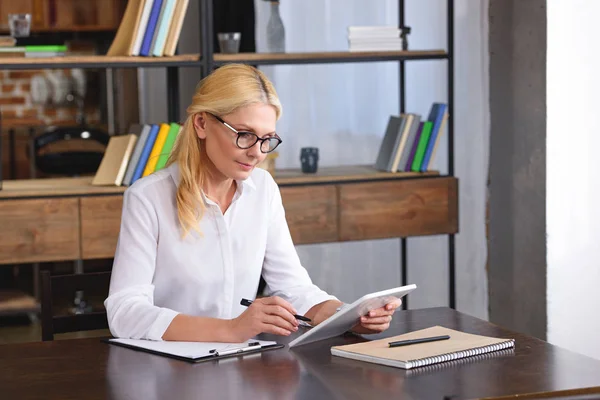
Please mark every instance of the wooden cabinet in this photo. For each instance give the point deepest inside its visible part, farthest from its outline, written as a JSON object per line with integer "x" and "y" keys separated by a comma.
{"x": 401, "y": 208}
{"x": 39, "y": 230}
{"x": 311, "y": 213}
{"x": 67, "y": 218}
{"x": 100, "y": 224}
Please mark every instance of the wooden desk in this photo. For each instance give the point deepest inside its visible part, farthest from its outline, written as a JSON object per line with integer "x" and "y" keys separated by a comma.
{"x": 66, "y": 219}
{"x": 89, "y": 369}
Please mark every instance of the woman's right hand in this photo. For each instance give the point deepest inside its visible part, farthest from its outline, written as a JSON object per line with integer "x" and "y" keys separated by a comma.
{"x": 265, "y": 315}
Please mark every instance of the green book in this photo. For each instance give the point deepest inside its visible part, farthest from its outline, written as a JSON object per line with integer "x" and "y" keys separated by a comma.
{"x": 44, "y": 48}
{"x": 168, "y": 146}
{"x": 422, "y": 146}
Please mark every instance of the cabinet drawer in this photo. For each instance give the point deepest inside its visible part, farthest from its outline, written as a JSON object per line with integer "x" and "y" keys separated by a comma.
{"x": 100, "y": 225}
{"x": 311, "y": 213}
{"x": 39, "y": 230}
{"x": 402, "y": 208}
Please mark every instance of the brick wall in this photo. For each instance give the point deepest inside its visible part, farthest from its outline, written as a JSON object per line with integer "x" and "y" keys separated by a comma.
{"x": 19, "y": 113}
{"x": 16, "y": 102}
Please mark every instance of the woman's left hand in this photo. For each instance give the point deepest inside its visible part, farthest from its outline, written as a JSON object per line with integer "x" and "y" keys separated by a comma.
{"x": 377, "y": 320}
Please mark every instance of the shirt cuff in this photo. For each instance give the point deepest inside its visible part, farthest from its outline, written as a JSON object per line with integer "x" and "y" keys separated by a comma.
{"x": 312, "y": 301}
{"x": 158, "y": 328}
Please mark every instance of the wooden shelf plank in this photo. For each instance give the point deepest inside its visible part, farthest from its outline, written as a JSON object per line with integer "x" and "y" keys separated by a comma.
{"x": 81, "y": 186}
{"x": 99, "y": 61}
{"x": 328, "y": 57}
{"x": 52, "y": 187}
{"x": 347, "y": 173}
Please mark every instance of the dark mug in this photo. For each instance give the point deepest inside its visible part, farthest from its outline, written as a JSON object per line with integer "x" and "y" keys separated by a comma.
{"x": 309, "y": 159}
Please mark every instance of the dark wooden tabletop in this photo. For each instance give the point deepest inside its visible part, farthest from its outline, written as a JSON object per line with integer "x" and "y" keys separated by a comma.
{"x": 91, "y": 369}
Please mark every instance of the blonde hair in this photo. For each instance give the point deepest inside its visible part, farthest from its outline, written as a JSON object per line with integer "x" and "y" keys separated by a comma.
{"x": 222, "y": 92}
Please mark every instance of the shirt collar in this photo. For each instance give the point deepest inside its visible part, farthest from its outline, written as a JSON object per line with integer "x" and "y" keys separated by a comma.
{"x": 241, "y": 184}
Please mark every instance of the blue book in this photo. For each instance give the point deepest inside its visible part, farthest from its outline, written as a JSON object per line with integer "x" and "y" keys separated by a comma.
{"x": 139, "y": 168}
{"x": 436, "y": 116}
{"x": 152, "y": 22}
{"x": 164, "y": 24}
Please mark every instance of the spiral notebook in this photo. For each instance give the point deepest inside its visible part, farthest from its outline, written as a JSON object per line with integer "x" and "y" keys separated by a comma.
{"x": 460, "y": 345}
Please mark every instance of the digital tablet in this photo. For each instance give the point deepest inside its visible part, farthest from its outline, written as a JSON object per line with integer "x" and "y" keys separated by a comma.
{"x": 350, "y": 314}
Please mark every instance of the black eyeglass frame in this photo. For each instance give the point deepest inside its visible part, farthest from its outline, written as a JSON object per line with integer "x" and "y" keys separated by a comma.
{"x": 257, "y": 139}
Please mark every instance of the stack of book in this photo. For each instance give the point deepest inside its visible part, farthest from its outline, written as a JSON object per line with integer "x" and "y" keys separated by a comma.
{"x": 374, "y": 38}
{"x": 142, "y": 151}
{"x": 149, "y": 28}
{"x": 9, "y": 48}
{"x": 409, "y": 144}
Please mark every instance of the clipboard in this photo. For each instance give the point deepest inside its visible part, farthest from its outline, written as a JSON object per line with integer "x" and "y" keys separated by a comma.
{"x": 173, "y": 349}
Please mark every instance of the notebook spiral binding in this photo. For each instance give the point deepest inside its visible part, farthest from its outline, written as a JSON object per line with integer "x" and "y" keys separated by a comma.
{"x": 463, "y": 361}
{"x": 460, "y": 354}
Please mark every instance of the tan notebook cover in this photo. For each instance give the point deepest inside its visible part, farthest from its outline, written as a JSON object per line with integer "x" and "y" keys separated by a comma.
{"x": 460, "y": 345}
{"x": 114, "y": 163}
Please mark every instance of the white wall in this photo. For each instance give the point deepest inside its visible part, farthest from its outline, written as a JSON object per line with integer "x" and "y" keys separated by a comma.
{"x": 573, "y": 183}
{"x": 343, "y": 109}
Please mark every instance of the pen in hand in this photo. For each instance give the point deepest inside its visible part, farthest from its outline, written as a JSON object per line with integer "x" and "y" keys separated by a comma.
{"x": 415, "y": 341}
{"x": 246, "y": 303}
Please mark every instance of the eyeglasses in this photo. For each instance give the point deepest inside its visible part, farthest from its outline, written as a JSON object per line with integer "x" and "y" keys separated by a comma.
{"x": 246, "y": 140}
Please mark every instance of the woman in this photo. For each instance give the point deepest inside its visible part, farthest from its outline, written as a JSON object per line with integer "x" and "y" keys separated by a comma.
{"x": 196, "y": 236}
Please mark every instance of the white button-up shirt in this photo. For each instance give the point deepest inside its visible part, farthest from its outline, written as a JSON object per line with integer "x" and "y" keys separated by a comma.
{"x": 157, "y": 274}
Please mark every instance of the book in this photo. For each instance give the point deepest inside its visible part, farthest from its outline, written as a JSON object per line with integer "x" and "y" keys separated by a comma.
{"x": 151, "y": 27}
{"x": 137, "y": 153}
{"x": 114, "y": 162}
{"x": 168, "y": 146}
{"x": 460, "y": 345}
{"x": 141, "y": 29}
{"x": 159, "y": 21}
{"x": 388, "y": 144}
{"x": 175, "y": 29}
{"x": 123, "y": 42}
{"x": 429, "y": 165}
{"x": 422, "y": 146}
{"x": 163, "y": 132}
{"x": 148, "y": 145}
{"x": 407, "y": 150}
{"x": 413, "y": 150}
{"x": 166, "y": 19}
{"x": 436, "y": 117}
{"x": 196, "y": 351}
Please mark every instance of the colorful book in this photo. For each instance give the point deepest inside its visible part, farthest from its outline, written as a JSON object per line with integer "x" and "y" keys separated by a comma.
{"x": 388, "y": 144}
{"x": 139, "y": 168}
{"x": 410, "y": 140}
{"x": 124, "y": 38}
{"x": 157, "y": 27}
{"x": 141, "y": 29}
{"x": 156, "y": 149}
{"x": 429, "y": 165}
{"x": 436, "y": 115}
{"x": 413, "y": 150}
{"x": 137, "y": 153}
{"x": 176, "y": 25}
{"x": 115, "y": 159}
{"x": 422, "y": 147}
{"x": 168, "y": 146}
{"x": 166, "y": 19}
{"x": 151, "y": 27}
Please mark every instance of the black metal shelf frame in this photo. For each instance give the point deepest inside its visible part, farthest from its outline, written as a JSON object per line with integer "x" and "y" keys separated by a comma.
{"x": 208, "y": 63}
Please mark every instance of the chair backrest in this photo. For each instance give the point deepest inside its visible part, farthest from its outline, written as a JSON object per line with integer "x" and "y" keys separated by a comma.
{"x": 51, "y": 324}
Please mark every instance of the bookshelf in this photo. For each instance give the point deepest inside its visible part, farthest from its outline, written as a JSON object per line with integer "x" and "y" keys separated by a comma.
{"x": 210, "y": 59}
{"x": 438, "y": 216}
